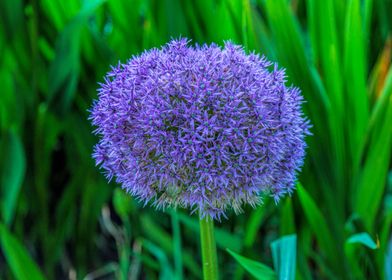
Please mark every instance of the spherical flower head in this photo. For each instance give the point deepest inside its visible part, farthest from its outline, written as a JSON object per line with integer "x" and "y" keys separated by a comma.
{"x": 205, "y": 128}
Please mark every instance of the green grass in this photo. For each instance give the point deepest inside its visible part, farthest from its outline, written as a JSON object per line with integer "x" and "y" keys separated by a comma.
{"x": 60, "y": 215}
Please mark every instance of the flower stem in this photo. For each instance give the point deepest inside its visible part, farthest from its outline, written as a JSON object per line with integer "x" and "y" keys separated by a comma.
{"x": 208, "y": 249}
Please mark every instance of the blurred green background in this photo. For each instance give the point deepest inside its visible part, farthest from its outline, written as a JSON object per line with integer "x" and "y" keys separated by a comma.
{"x": 60, "y": 219}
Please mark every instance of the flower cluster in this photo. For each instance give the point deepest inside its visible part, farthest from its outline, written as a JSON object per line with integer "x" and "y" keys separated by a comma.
{"x": 204, "y": 127}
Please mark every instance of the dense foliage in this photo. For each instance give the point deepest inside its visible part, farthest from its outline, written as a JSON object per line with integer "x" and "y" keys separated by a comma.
{"x": 61, "y": 219}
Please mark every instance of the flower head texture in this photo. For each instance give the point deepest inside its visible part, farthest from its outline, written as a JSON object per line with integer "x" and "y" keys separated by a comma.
{"x": 205, "y": 128}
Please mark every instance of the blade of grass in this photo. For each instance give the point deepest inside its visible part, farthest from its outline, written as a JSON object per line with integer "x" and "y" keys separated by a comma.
{"x": 388, "y": 261}
{"x": 174, "y": 15}
{"x": 163, "y": 239}
{"x": 224, "y": 239}
{"x": 305, "y": 244}
{"x": 177, "y": 252}
{"x": 252, "y": 227}
{"x": 13, "y": 173}
{"x": 355, "y": 71}
{"x": 212, "y": 14}
{"x": 381, "y": 103}
{"x": 372, "y": 179}
{"x": 65, "y": 68}
{"x": 21, "y": 264}
{"x": 256, "y": 269}
{"x": 367, "y": 18}
{"x": 286, "y": 32}
{"x": 318, "y": 224}
{"x": 385, "y": 228}
{"x": 287, "y": 220}
{"x": 354, "y": 255}
{"x": 165, "y": 271}
{"x": 325, "y": 40}
{"x": 364, "y": 239}
{"x": 246, "y": 24}
{"x": 105, "y": 271}
{"x": 254, "y": 222}
{"x": 284, "y": 253}
{"x": 192, "y": 20}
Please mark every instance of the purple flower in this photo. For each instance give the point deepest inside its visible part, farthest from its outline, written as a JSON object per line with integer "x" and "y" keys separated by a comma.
{"x": 200, "y": 127}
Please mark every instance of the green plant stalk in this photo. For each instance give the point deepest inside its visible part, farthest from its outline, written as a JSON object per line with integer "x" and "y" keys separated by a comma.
{"x": 208, "y": 249}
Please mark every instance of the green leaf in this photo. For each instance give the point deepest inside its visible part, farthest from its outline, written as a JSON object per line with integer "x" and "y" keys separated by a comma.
{"x": 353, "y": 253}
{"x": 316, "y": 221}
{"x": 287, "y": 220}
{"x": 286, "y": 32}
{"x": 371, "y": 183}
{"x": 11, "y": 13}
{"x": 104, "y": 271}
{"x": 177, "y": 248}
{"x": 256, "y": 269}
{"x": 364, "y": 239}
{"x": 166, "y": 271}
{"x": 123, "y": 203}
{"x": 325, "y": 40}
{"x": 22, "y": 265}
{"x": 176, "y": 25}
{"x": 12, "y": 174}
{"x": 214, "y": 13}
{"x": 386, "y": 229}
{"x": 223, "y": 238}
{"x": 355, "y": 71}
{"x": 65, "y": 68}
{"x": 382, "y": 102}
{"x": 284, "y": 251}
{"x": 254, "y": 222}
{"x": 159, "y": 236}
{"x": 388, "y": 261}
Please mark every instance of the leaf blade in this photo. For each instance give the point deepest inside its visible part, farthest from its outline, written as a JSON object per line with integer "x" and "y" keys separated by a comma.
{"x": 22, "y": 265}
{"x": 13, "y": 174}
{"x": 364, "y": 239}
{"x": 284, "y": 253}
{"x": 256, "y": 269}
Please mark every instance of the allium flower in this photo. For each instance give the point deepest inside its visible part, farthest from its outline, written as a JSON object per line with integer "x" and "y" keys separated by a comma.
{"x": 200, "y": 127}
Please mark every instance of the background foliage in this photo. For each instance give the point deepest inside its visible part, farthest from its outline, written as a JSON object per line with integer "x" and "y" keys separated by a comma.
{"x": 59, "y": 217}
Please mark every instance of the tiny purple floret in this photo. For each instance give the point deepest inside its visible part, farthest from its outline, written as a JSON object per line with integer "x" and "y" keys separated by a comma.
{"x": 205, "y": 128}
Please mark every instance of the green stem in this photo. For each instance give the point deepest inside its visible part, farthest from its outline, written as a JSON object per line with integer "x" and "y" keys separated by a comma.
{"x": 208, "y": 249}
